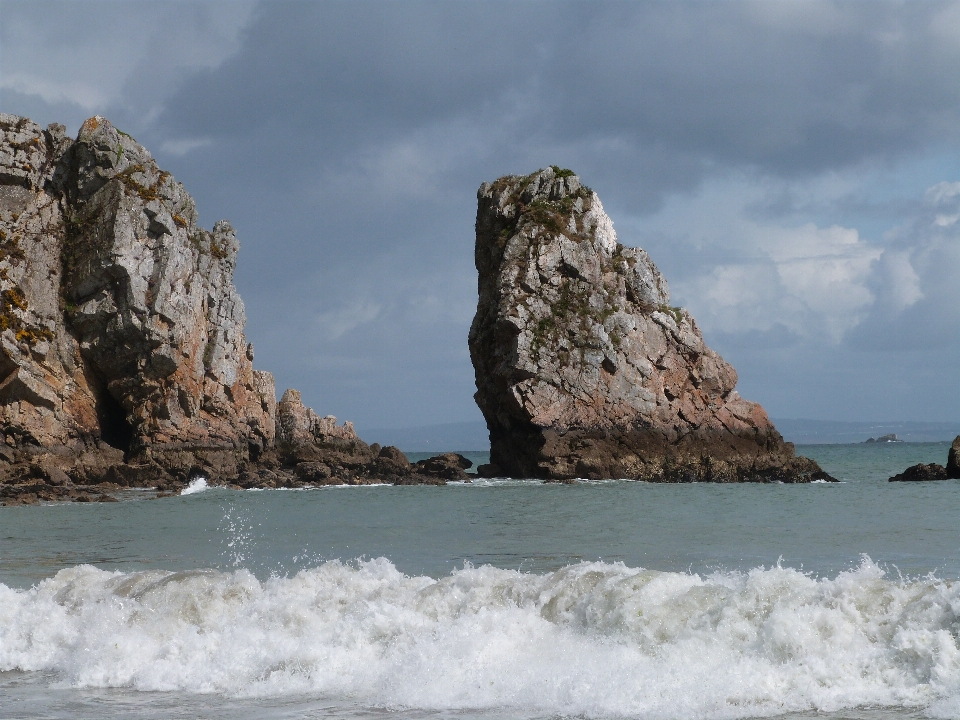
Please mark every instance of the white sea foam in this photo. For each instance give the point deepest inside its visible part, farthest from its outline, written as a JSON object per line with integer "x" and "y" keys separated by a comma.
{"x": 594, "y": 639}
{"x": 197, "y": 485}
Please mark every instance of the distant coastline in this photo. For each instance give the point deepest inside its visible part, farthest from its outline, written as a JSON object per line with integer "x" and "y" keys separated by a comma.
{"x": 472, "y": 436}
{"x": 829, "y": 432}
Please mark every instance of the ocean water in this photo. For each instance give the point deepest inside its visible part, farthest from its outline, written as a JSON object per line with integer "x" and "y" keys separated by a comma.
{"x": 493, "y": 599}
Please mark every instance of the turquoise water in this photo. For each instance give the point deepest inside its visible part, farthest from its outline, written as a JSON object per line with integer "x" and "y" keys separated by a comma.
{"x": 493, "y": 599}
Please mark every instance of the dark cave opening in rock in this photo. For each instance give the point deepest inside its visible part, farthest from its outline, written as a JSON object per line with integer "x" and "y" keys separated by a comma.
{"x": 115, "y": 430}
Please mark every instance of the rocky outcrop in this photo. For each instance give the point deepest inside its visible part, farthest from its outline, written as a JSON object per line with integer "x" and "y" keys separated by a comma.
{"x": 920, "y": 473}
{"x": 584, "y": 369}
{"x": 934, "y": 471}
{"x": 953, "y": 459}
{"x": 449, "y": 466}
{"x": 123, "y": 358}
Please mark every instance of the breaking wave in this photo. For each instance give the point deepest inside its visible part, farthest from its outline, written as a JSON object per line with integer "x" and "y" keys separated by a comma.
{"x": 592, "y": 639}
{"x": 197, "y": 485}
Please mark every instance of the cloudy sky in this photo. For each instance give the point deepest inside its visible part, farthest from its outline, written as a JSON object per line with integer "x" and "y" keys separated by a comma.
{"x": 793, "y": 169}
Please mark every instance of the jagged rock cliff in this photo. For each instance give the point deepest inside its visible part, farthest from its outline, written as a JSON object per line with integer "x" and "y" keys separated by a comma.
{"x": 120, "y": 321}
{"x": 122, "y": 349}
{"x": 583, "y": 368}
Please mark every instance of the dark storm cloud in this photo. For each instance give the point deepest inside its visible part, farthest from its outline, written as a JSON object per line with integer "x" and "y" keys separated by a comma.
{"x": 338, "y": 71}
{"x": 642, "y": 99}
{"x": 680, "y": 88}
{"x": 788, "y": 87}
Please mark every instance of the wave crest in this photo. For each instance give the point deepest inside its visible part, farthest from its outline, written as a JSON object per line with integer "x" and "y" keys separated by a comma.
{"x": 592, "y": 638}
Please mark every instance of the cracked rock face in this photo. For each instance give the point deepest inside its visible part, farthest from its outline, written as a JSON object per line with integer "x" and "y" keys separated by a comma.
{"x": 151, "y": 302}
{"x": 119, "y": 321}
{"x": 45, "y": 399}
{"x": 123, "y": 360}
{"x": 583, "y": 368}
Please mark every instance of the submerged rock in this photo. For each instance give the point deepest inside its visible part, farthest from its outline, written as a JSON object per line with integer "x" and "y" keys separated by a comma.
{"x": 123, "y": 358}
{"x": 584, "y": 369}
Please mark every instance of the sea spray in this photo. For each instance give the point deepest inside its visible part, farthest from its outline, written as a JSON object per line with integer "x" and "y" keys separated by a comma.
{"x": 236, "y": 532}
{"x": 595, "y": 639}
{"x": 197, "y": 485}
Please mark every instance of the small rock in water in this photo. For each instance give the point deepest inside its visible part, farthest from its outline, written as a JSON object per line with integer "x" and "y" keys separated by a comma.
{"x": 449, "y": 466}
{"x": 921, "y": 472}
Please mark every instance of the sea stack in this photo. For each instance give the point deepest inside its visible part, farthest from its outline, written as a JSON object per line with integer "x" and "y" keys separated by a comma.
{"x": 584, "y": 369}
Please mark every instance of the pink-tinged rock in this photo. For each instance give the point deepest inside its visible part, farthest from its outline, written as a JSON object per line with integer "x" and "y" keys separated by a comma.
{"x": 583, "y": 368}
{"x": 123, "y": 358}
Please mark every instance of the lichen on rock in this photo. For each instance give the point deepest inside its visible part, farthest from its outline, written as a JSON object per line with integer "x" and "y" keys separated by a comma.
{"x": 583, "y": 367}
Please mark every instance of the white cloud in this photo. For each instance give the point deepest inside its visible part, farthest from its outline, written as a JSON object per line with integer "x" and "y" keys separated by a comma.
{"x": 811, "y": 280}
{"x": 181, "y": 147}
{"x": 826, "y": 270}
{"x": 87, "y": 95}
{"x": 819, "y": 18}
{"x": 902, "y": 285}
{"x": 85, "y": 53}
{"x": 942, "y": 192}
{"x": 741, "y": 274}
{"x": 334, "y": 324}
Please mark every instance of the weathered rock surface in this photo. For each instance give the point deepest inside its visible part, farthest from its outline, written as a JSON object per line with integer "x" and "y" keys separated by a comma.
{"x": 921, "y": 472}
{"x": 583, "y": 368}
{"x": 449, "y": 466}
{"x": 953, "y": 459}
{"x": 123, "y": 358}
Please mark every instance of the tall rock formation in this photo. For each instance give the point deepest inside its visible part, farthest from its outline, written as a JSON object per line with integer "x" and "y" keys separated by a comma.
{"x": 122, "y": 349}
{"x": 583, "y": 368}
{"x": 120, "y": 322}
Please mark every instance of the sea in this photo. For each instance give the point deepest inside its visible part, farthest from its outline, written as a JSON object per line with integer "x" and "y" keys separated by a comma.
{"x": 493, "y": 599}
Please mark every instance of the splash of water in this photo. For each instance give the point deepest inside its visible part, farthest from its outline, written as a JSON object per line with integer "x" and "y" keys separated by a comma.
{"x": 237, "y": 530}
{"x": 197, "y": 485}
